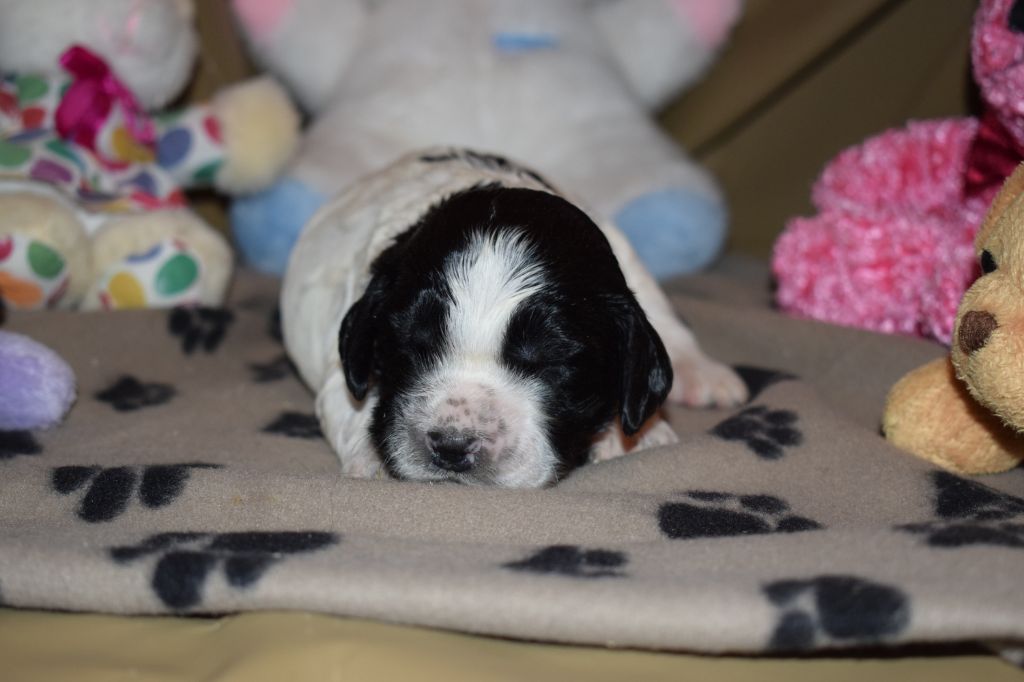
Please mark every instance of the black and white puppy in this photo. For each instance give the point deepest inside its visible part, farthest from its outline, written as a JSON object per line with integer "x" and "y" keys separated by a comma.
{"x": 460, "y": 320}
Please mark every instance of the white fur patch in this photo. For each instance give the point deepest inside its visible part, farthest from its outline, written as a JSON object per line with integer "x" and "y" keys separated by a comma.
{"x": 488, "y": 281}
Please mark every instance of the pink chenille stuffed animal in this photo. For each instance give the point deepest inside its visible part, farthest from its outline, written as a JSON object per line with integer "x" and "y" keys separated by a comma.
{"x": 890, "y": 248}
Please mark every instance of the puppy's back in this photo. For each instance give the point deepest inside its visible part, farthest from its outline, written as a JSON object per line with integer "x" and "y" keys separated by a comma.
{"x": 329, "y": 267}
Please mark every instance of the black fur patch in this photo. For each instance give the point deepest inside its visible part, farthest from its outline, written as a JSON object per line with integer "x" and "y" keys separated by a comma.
{"x": 488, "y": 162}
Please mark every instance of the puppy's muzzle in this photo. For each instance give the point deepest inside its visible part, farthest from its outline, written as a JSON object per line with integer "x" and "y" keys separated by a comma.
{"x": 453, "y": 450}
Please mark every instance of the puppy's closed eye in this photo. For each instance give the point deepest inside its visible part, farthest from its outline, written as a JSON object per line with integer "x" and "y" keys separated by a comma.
{"x": 537, "y": 341}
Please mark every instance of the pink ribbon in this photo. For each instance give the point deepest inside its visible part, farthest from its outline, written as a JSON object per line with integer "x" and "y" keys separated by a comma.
{"x": 993, "y": 155}
{"x": 91, "y": 97}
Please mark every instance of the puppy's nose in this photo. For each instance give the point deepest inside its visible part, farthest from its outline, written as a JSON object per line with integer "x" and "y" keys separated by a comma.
{"x": 453, "y": 450}
{"x": 975, "y": 328}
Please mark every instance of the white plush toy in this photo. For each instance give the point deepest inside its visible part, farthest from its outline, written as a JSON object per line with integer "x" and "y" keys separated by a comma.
{"x": 566, "y": 86}
{"x": 92, "y": 171}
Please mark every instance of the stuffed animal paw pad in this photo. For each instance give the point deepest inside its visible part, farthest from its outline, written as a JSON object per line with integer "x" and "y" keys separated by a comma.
{"x": 166, "y": 275}
{"x": 32, "y": 273}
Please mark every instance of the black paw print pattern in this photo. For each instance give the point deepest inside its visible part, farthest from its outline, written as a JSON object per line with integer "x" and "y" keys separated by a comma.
{"x": 15, "y": 443}
{"x": 835, "y": 609}
{"x": 570, "y": 560}
{"x": 295, "y": 425}
{"x": 274, "y": 369}
{"x": 765, "y": 431}
{"x": 128, "y": 394}
{"x": 186, "y": 560}
{"x": 111, "y": 488}
{"x": 758, "y": 379}
{"x": 199, "y": 327}
{"x": 971, "y": 513}
{"x": 709, "y": 514}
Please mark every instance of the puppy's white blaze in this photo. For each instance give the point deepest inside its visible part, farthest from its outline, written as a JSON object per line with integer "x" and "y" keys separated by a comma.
{"x": 488, "y": 281}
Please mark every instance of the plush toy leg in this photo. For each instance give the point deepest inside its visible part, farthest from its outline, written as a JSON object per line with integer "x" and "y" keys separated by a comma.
{"x": 44, "y": 254}
{"x": 669, "y": 208}
{"x": 158, "y": 259}
{"x": 930, "y": 414}
{"x": 266, "y": 224}
{"x": 674, "y": 230}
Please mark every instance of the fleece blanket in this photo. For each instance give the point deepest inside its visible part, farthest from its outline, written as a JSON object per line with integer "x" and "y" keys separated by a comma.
{"x": 191, "y": 478}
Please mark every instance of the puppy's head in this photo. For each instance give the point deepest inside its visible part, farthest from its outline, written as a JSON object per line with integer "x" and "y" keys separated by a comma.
{"x": 500, "y": 338}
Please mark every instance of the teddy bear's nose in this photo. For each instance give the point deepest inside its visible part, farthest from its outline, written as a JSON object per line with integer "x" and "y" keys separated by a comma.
{"x": 975, "y": 328}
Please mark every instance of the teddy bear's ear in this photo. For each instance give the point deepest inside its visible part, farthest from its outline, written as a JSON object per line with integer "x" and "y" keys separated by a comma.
{"x": 1012, "y": 188}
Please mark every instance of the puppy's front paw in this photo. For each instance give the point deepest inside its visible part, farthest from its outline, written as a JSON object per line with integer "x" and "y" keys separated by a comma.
{"x": 614, "y": 443}
{"x": 703, "y": 382}
{"x": 656, "y": 433}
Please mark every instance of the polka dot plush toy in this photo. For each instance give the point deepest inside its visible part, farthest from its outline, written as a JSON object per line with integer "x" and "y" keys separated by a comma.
{"x": 566, "y": 87}
{"x": 890, "y": 247}
{"x": 93, "y": 169}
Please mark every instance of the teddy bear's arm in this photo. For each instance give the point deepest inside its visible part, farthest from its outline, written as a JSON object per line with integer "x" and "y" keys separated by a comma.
{"x": 190, "y": 146}
{"x": 664, "y": 45}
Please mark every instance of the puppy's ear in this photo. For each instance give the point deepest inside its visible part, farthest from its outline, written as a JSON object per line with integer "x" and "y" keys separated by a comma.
{"x": 358, "y": 336}
{"x": 646, "y": 370}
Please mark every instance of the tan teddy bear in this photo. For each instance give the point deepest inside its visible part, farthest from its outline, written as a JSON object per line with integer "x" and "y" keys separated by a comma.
{"x": 965, "y": 412}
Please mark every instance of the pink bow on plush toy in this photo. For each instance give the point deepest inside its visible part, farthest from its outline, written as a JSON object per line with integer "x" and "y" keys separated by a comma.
{"x": 92, "y": 96}
{"x": 993, "y": 156}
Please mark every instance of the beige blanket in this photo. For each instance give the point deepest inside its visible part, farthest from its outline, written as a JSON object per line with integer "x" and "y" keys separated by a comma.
{"x": 190, "y": 477}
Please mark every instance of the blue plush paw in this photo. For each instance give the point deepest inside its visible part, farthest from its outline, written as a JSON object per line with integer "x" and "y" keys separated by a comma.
{"x": 674, "y": 231}
{"x": 267, "y": 224}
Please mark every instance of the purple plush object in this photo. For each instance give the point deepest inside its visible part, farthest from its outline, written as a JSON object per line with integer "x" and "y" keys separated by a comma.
{"x": 36, "y": 386}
